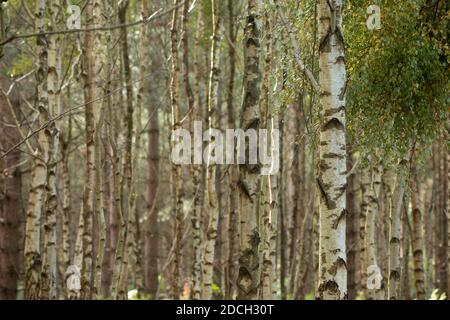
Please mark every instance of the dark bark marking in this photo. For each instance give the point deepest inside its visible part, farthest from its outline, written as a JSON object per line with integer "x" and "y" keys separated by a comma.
{"x": 333, "y": 123}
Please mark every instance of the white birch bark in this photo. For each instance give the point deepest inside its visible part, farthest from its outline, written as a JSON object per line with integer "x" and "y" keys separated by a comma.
{"x": 371, "y": 231}
{"x": 32, "y": 257}
{"x": 197, "y": 171}
{"x": 269, "y": 185}
{"x": 248, "y": 281}
{"x": 332, "y": 150}
{"x": 176, "y": 168}
{"x": 48, "y": 273}
{"x": 212, "y": 205}
{"x": 99, "y": 62}
{"x": 394, "y": 233}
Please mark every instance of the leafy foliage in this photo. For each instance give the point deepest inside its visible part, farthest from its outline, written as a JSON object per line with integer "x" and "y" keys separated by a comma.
{"x": 396, "y": 92}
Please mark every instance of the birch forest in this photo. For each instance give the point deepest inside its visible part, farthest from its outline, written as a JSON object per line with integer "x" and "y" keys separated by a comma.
{"x": 224, "y": 150}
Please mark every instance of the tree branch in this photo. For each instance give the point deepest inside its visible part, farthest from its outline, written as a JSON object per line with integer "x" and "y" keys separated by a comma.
{"x": 62, "y": 115}
{"x": 294, "y": 44}
{"x": 157, "y": 14}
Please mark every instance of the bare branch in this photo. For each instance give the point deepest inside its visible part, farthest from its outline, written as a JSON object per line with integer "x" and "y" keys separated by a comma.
{"x": 296, "y": 48}
{"x": 62, "y": 115}
{"x": 16, "y": 121}
{"x": 157, "y": 14}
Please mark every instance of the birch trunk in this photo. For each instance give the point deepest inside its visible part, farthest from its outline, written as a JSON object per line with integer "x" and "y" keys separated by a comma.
{"x": 111, "y": 133}
{"x": 66, "y": 239}
{"x": 436, "y": 215}
{"x": 417, "y": 238}
{"x": 233, "y": 170}
{"x": 394, "y": 234}
{"x": 99, "y": 211}
{"x": 441, "y": 219}
{"x": 270, "y": 211}
{"x": 176, "y": 169}
{"x": 371, "y": 228}
{"x": 332, "y": 176}
{"x": 365, "y": 188}
{"x": 32, "y": 254}
{"x": 197, "y": 170}
{"x": 274, "y": 217}
{"x": 128, "y": 169}
{"x": 428, "y": 222}
{"x": 383, "y": 233}
{"x": 300, "y": 196}
{"x": 213, "y": 87}
{"x": 270, "y": 223}
{"x": 404, "y": 253}
{"x": 89, "y": 188}
{"x": 98, "y": 110}
{"x": 352, "y": 236}
{"x": 119, "y": 246}
{"x": 249, "y": 265}
{"x": 48, "y": 271}
{"x": 298, "y": 174}
{"x": 72, "y": 293}
{"x": 282, "y": 224}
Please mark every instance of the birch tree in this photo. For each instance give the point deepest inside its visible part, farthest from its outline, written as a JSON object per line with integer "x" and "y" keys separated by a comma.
{"x": 250, "y": 237}
{"x": 269, "y": 182}
{"x": 212, "y": 205}
{"x": 48, "y": 273}
{"x": 89, "y": 196}
{"x": 394, "y": 233}
{"x": 197, "y": 170}
{"x": 128, "y": 170}
{"x": 371, "y": 227}
{"x": 417, "y": 237}
{"x": 332, "y": 148}
{"x": 39, "y": 166}
{"x": 100, "y": 89}
{"x": 176, "y": 168}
